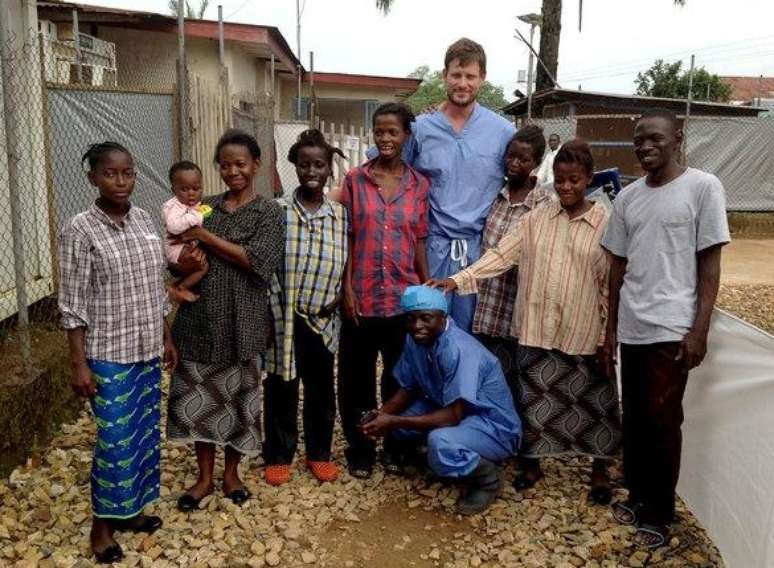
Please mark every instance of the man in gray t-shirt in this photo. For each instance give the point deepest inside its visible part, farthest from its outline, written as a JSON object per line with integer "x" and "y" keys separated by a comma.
{"x": 665, "y": 235}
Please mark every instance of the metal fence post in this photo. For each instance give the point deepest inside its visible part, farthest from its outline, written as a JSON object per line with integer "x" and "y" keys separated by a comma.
{"x": 182, "y": 84}
{"x": 12, "y": 147}
{"x": 688, "y": 112}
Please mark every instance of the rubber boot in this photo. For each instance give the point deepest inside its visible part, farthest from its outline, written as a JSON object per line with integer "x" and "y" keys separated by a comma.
{"x": 481, "y": 488}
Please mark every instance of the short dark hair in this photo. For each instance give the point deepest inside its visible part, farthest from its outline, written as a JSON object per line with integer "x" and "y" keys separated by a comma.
{"x": 239, "y": 138}
{"x": 664, "y": 113}
{"x": 313, "y": 138}
{"x": 97, "y": 152}
{"x": 531, "y": 134}
{"x": 576, "y": 151}
{"x": 182, "y": 166}
{"x": 400, "y": 110}
{"x": 466, "y": 50}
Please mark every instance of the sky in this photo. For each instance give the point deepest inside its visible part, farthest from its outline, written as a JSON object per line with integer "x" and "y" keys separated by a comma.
{"x": 618, "y": 39}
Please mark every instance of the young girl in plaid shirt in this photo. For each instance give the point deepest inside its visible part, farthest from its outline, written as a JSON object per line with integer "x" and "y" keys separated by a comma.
{"x": 304, "y": 297}
{"x": 387, "y": 204}
{"x": 113, "y": 305}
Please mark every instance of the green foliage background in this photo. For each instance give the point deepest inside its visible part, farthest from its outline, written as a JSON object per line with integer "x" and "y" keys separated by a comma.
{"x": 670, "y": 80}
{"x": 432, "y": 91}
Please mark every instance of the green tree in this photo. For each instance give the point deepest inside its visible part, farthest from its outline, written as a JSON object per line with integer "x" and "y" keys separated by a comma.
{"x": 670, "y": 80}
{"x": 432, "y": 91}
{"x": 196, "y": 14}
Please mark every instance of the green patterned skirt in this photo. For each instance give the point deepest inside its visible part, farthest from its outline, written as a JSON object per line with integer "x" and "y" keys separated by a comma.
{"x": 125, "y": 472}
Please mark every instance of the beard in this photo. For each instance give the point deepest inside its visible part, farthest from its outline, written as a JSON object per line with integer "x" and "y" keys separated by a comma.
{"x": 469, "y": 99}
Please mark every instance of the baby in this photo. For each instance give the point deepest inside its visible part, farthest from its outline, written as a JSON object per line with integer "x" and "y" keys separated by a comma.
{"x": 179, "y": 214}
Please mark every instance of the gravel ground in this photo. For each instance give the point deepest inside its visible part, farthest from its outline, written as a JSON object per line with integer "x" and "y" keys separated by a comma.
{"x": 754, "y": 304}
{"x": 385, "y": 522}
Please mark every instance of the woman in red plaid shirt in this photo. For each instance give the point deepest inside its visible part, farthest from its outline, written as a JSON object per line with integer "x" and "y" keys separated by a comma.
{"x": 387, "y": 204}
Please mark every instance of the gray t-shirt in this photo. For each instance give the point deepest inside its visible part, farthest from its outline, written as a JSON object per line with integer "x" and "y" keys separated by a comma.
{"x": 659, "y": 230}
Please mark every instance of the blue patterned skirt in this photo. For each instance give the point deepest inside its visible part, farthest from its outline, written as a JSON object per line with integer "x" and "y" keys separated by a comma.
{"x": 125, "y": 472}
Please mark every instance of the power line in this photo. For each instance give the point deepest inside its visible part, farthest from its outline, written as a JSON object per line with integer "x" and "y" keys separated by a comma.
{"x": 749, "y": 57}
{"x": 242, "y": 5}
{"x": 687, "y": 52}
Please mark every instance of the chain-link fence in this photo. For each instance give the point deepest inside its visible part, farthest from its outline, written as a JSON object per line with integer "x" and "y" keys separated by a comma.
{"x": 736, "y": 149}
{"x": 58, "y": 97}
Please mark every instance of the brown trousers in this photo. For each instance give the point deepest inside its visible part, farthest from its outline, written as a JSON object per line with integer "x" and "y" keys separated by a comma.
{"x": 652, "y": 387}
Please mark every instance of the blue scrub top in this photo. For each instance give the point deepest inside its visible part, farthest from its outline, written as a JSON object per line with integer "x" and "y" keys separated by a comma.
{"x": 466, "y": 169}
{"x": 458, "y": 367}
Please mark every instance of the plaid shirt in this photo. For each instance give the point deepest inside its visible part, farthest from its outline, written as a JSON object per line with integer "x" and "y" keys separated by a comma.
{"x": 309, "y": 281}
{"x": 385, "y": 237}
{"x": 497, "y": 296}
{"x": 112, "y": 283}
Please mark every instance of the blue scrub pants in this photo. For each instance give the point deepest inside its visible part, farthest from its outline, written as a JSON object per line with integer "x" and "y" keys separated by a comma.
{"x": 454, "y": 451}
{"x": 447, "y": 257}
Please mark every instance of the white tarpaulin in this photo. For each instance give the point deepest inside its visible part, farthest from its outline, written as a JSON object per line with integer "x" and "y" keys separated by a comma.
{"x": 738, "y": 151}
{"x": 727, "y": 474}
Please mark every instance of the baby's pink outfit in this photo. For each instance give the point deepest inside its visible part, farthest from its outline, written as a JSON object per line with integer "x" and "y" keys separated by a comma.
{"x": 178, "y": 218}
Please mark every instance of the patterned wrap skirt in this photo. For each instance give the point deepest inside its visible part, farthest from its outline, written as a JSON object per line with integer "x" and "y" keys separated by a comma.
{"x": 566, "y": 406}
{"x": 218, "y": 404}
{"x": 125, "y": 472}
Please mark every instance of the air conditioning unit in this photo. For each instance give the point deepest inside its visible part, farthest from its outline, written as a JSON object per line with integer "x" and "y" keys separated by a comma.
{"x": 63, "y": 58}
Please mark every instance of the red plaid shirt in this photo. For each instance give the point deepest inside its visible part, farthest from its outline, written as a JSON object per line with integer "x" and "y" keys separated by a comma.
{"x": 385, "y": 236}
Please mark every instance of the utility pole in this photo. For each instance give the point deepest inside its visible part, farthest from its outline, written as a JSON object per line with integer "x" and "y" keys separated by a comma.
{"x": 534, "y": 21}
{"x": 298, "y": 51}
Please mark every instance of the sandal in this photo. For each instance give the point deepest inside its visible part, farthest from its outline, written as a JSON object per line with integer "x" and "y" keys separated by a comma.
{"x": 277, "y": 474}
{"x": 112, "y": 553}
{"x": 324, "y": 471}
{"x": 626, "y": 512}
{"x": 601, "y": 494}
{"x": 139, "y": 523}
{"x": 187, "y": 503}
{"x": 238, "y": 496}
{"x": 527, "y": 480}
{"x": 651, "y": 536}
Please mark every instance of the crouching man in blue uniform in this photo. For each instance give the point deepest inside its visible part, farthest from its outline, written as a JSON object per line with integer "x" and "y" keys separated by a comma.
{"x": 453, "y": 394}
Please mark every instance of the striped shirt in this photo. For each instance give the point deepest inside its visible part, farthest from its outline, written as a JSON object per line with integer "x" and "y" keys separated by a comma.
{"x": 562, "y": 299}
{"x": 112, "y": 283}
{"x": 309, "y": 281}
{"x": 497, "y": 296}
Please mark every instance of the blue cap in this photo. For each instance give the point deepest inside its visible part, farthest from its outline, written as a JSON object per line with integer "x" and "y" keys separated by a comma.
{"x": 417, "y": 298}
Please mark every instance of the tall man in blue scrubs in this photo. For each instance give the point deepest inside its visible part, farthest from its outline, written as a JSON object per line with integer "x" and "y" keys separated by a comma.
{"x": 453, "y": 394}
{"x": 461, "y": 148}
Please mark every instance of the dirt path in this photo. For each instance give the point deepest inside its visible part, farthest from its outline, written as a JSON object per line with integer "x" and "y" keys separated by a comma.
{"x": 748, "y": 262}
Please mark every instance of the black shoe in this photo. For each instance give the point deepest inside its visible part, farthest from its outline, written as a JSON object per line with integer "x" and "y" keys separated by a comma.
{"x": 524, "y": 481}
{"x": 112, "y": 553}
{"x": 138, "y": 523}
{"x": 393, "y": 463}
{"x": 360, "y": 469}
{"x": 238, "y": 496}
{"x": 601, "y": 494}
{"x": 482, "y": 488}
{"x": 188, "y": 503}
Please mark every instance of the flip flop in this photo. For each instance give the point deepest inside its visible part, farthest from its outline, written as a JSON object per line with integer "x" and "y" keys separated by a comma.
{"x": 187, "y": 503}
{"x": 138, "y": 524}
{"x": 112, "y": 553}
{"x": 626, "y": 513}
{"x": 601, "y": 494}
{"x": 238, "y": 496}
{"x": 651, "y": 536}
{"x": 523, "y": 481}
